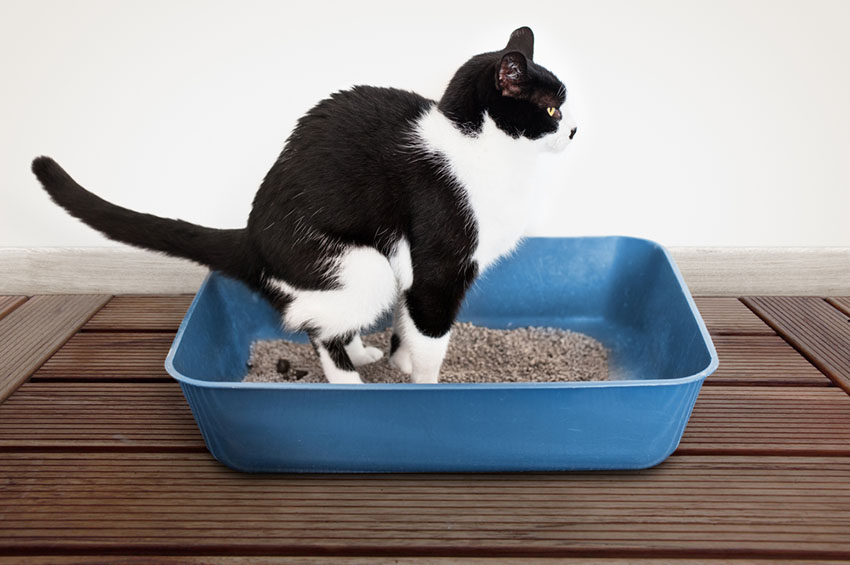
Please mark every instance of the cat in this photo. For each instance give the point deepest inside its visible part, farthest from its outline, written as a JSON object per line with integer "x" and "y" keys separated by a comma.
{"x": 380, "y": 200}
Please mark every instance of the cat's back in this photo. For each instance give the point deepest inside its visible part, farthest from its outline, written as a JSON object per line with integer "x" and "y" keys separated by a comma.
{"x": 364, "y": 117}
{"x": 345, "y": 172}
{"x": 354, "y": 144}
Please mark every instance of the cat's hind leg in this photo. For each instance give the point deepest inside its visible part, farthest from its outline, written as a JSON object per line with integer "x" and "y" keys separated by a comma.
{"x": 402, "y": 266}
{"x": 399, "y": 348}
{"x": 364, "y": 288}
{"x": 336, "y": 363}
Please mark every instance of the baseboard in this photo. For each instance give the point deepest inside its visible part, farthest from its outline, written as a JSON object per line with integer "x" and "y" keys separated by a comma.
{"x": 754, "y": 271}
{"x": 708, "y": 271}
{"x": 83, "y": 270}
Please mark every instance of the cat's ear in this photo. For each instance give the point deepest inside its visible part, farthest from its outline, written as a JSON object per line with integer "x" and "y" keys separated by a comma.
{"x": 511, "y": 73}
{"x": 522, "y": 40}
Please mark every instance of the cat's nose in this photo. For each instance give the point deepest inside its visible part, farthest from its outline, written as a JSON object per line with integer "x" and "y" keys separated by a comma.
{"x": 573, "y": 132}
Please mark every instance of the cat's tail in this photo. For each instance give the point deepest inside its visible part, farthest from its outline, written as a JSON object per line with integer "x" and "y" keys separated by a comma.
{"x": 222, "y": 250}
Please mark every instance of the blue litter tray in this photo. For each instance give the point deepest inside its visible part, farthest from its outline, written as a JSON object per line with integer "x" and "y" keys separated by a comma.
{"x": 625, "y": 292}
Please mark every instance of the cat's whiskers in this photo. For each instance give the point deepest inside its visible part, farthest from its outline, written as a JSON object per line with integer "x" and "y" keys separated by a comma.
{"x": 562, "y": 91}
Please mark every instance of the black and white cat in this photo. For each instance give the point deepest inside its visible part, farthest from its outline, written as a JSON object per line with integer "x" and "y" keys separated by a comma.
{"x": 381, "y": 199}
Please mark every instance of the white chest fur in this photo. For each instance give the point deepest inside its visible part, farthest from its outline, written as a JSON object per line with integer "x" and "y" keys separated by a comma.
{"x": 492, "y": 171}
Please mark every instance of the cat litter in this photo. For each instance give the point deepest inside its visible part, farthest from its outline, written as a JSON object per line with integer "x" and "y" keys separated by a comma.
{"x": 475, "y": 355}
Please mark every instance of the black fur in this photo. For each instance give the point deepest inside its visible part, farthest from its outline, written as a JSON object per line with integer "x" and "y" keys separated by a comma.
{"x": 224, "y": 250}
{"x": 336, "y": 350}
{"x": 345, "y": 177}
{"x": 349, "y": 175}
{"x": 514, "y": 103}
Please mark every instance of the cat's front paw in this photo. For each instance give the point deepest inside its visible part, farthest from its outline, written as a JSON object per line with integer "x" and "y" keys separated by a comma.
{"x": 402, "y": 361}
{"x": 366, "y": 355}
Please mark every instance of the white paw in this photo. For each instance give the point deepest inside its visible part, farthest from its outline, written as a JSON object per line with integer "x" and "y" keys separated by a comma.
{"x": 402, "y": 361}
{"x": 426, "y": 378}
{"x": 366, "y": 355}
{"x": 338, "y": 377}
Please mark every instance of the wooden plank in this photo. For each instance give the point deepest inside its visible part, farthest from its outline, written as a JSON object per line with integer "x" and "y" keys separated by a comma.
{"x": 762, "y": 360}
{"x": 9, "y": 303}
{"x": 841, "y": 302}
{"x": 118, "y": 416}
{"x": 31, "y": 333}
{"x": 158, "y": 559}
{"x": 75, "y": 415}
{"x": 154, "y": 416}
{"x": 141, "y": 313}
{"x": 110, "y": 356}
{"x": 729, "y": 316}
{"x": 690, "y": 506}
{"x": 155, "y": 558}
{"x": 817, "y": 329}
{"x": 769, "y": 421}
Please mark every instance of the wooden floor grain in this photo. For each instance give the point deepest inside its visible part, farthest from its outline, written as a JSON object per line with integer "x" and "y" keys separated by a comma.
{"x": 123, "y": 559}
{"x": 819, "y": 330}
{"x": 33, "y": 331}
{"x": 689, "y": 505}
{"x": 141, "y": 313}
{"x": 101, "y": 462}
{"x": 842, "y": 303}
{"x": 110, "y": 356}
{"x": 9, "y": 303}
{"x": 762, "y": 360}
{"x": 729, "y": 316}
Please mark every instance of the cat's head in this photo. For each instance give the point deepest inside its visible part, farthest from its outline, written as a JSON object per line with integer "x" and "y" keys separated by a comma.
{"x": 521, "y": 97}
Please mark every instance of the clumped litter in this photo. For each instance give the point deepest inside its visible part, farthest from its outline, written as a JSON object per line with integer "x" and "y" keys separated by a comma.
{"x": 475, "y": 355}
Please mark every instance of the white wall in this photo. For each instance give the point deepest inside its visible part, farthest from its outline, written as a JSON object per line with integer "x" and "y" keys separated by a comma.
{"x": 707, "y": 123}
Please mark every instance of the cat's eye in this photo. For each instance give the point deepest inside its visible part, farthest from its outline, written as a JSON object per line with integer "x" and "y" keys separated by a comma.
{"x": 550, "y": 110}
{"x": 553, "y": 112}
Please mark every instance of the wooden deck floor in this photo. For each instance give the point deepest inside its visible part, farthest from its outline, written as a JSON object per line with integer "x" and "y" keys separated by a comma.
{"x": 101, "y": 461}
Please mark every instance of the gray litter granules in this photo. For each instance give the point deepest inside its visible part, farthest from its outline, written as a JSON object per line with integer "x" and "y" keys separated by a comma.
{"x": 475, "y": 355}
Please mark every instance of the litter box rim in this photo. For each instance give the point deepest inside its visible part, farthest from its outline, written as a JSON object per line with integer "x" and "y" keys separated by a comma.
{"x": 414, "y": 387}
